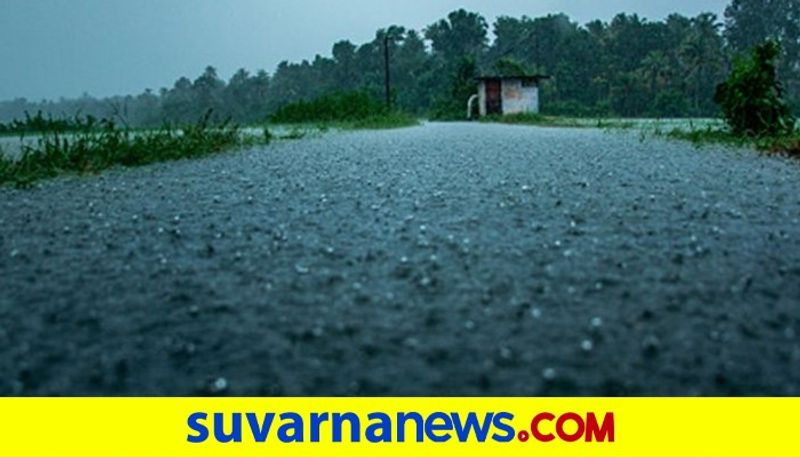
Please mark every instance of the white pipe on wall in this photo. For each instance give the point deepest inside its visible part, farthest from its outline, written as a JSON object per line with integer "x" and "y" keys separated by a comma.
{"x": 470, "y": 102}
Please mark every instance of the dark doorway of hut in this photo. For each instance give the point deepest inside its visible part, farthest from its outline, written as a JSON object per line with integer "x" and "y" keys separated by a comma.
{"x": 494, "y": 99}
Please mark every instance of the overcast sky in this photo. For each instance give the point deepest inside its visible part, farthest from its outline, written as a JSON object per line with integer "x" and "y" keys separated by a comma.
{"x": 53, "y": 48}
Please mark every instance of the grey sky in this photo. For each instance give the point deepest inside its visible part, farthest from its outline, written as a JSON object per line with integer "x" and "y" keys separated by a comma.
{"x": 52, "y": 48}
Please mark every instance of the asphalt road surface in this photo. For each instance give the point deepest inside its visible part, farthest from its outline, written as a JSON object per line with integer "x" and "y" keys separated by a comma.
{"x": 446, "y": 259}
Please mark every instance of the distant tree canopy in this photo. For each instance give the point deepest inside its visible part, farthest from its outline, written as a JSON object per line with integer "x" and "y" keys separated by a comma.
{"x": 626, "y": 67}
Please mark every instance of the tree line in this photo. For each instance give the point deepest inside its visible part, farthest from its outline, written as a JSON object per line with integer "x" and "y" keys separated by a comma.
{"x": 628, "y": 67}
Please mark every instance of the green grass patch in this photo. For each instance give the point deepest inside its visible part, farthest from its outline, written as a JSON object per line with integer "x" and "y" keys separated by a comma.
{"x": 41, "y": 124}
{"x": 559, "y": 121}
{"x": 788, "y": 144}
{"x": 103, "y": 145}
{"x": 532, "y": 119}
{"x": 342, "y": 110}
{"x": 389, "y": 120}
{"x": 697, "y": 131}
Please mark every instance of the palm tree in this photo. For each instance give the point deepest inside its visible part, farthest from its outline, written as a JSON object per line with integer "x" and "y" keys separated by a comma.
{"x": 655, "y": 70}
{"x": 702, "y": 60}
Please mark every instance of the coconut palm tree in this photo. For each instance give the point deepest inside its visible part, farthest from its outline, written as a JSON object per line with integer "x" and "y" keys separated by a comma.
{"x": 702, "y": 61}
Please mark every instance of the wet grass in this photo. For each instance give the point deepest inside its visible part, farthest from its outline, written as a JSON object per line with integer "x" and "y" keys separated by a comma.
{"x": 783, "y": 144}
{"x": 40, "y": 124}
{"x": 699, "y": 132}
{"x": 650, "y": 125}
{"x": 99, "y": 146}
{"x": 392, "y": 120}
{"x": 356, "y": 110}
{"x": 559, "y": 121}
{"x": 296, "y": 131}
{"x": 389, "y": 120}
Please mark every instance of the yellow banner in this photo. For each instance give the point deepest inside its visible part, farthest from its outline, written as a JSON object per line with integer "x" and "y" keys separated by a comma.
{"x": 429, "y": 427}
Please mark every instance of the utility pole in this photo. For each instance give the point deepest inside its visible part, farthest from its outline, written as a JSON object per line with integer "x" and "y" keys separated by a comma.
{"x": 388, "y": 80}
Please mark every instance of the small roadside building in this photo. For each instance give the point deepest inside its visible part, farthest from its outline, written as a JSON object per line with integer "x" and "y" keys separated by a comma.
{"x": 499, "y": 95}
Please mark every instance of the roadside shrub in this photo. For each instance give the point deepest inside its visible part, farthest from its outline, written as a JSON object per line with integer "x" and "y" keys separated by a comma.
{"x": 390, "y": 120}
{"x": 335, "y": 107}
{"x": 751, "y": 98}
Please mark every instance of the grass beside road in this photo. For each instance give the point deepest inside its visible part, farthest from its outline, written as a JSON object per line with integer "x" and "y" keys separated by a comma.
{"x": 535, "y": 119}
{"x": 697, "y": 131}
{"x": 781, "y": 144}
{"x": 297, "y": 130}
{"x": 645, "y": 124}
{"x": 389, "y": 120}
{"x": 39, "y": 123}
{"x": 343, "y": 110}
{"x": 101, "y": 146}
{"x": 384, "y": 121}
{"x": 49, "y": 148}
{"x": 559, "y": 121}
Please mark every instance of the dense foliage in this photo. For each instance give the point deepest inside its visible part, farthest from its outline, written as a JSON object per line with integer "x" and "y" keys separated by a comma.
{"x": 451, "y": 104}
{"x": 751, "y": 22}
{"x": 349, "y": 110}
{"x": 339, "y": 106}
{"x": 628, "y": 66}
{"x": 751, "y": 98}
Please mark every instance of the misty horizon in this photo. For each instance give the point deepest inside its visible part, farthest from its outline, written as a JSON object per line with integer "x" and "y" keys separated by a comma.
{"x": 116, "y": 48}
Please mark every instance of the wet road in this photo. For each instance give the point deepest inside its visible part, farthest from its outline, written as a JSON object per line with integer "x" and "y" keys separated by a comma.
{"x": 446, "y": 259}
